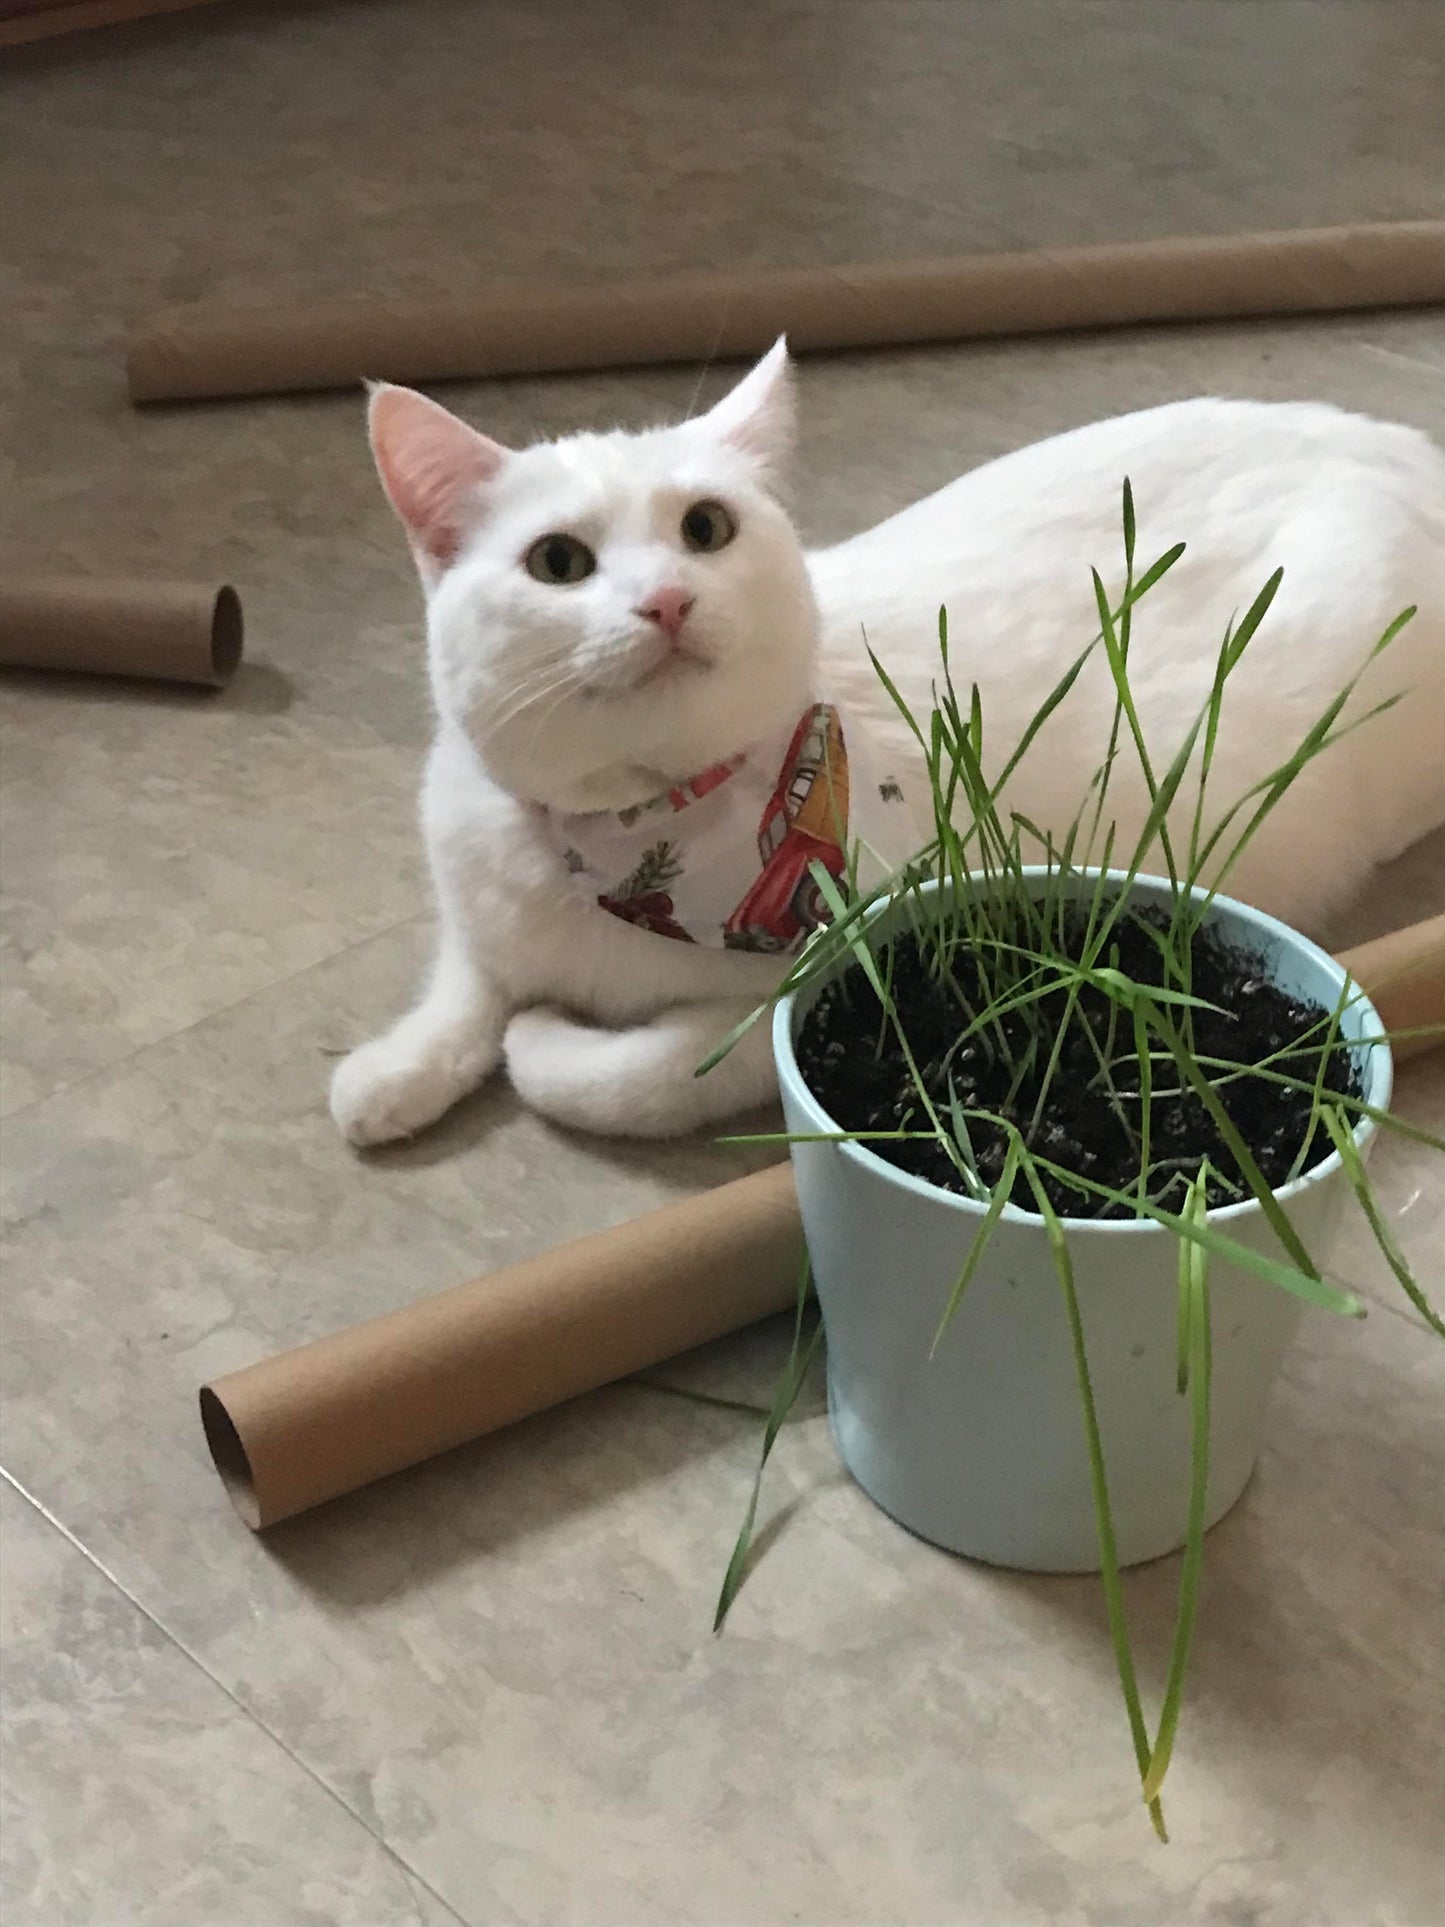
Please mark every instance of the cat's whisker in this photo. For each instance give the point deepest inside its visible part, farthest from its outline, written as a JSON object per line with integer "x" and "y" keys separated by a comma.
{"x": 544, "y": 682}
{"x": 542, "y": 678}
{"x": 540, "y": 722}
{"x": 527, "y": 693}
{"x": 711, "y": 358}
{"x": 531, "y": 695}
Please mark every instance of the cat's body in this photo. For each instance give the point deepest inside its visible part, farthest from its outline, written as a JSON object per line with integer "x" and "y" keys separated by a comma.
{"x": 1352, "y": 509}
{"x": 603, "y": 1023}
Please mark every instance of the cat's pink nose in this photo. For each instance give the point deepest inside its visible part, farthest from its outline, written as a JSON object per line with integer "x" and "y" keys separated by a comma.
{"x": 668, "y": 608}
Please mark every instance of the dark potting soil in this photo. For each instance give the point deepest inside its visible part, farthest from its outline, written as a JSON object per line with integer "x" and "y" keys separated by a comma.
{"x": 851, "y": 1060}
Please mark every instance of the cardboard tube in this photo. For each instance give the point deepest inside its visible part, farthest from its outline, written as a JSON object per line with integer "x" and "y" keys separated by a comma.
{"x": 293, "y": 1431}
{"x": 168, "y": 631}
{"x": 26, "y": 20}
{"x": 302, "y": 1428}
{"x": 197, "y": 351}
{"x": 1403, "y": 975}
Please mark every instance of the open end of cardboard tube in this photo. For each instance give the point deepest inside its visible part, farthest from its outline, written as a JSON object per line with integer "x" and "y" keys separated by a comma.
{"x": 230, "y": 1457}
{"x": 228, "y": 634}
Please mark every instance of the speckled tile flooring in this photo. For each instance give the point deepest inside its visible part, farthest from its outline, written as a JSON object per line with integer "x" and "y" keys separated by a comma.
{"x": 488, "y": 1692}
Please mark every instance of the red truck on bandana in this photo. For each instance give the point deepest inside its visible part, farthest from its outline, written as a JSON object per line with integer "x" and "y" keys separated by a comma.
{"x": 804, "y": 822}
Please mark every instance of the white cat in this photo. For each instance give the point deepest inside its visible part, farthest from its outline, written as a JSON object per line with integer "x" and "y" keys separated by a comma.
{"x": 610, "y": 615}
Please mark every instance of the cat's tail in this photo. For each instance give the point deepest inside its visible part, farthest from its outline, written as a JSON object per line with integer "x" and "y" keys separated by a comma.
{"x": 640, "y": 1082}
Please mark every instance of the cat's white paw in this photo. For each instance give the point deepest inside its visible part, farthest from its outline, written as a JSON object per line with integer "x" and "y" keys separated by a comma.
{"x": 638, "y": 1082}
{"x": 547, "y": 1053}
{"x": 396, "y": 1085}
{"x": 586, "y": 1077}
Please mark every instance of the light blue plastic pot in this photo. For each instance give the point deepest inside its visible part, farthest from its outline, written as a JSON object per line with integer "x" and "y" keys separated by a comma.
{"x": 981, "y": 1448}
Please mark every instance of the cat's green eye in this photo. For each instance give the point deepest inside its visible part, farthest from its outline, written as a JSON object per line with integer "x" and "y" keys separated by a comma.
{"x": 560, "y": 559}
{"x": 708, "y": 527}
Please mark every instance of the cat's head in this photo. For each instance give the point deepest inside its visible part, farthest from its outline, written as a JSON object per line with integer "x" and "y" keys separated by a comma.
{"x": 607, "y": 610}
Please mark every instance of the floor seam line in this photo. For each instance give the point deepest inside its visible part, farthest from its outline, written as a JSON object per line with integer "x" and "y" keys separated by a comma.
{"x": 58, "y": 1525}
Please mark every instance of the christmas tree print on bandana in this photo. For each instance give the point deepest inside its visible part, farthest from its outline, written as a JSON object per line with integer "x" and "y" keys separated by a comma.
{"x": 733, "y": 870}
{"x": 643, "y": 899}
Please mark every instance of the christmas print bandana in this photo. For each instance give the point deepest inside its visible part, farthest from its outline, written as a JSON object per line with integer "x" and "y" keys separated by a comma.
{"x": 725, "y": 858}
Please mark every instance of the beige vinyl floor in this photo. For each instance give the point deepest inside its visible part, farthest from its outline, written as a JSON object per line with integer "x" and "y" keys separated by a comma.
{"x": 487, "y": 1692}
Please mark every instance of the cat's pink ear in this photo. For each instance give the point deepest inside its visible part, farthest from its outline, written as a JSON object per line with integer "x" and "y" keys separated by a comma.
{"x": 758, "y": 416}
{"x": 432, "y": 466}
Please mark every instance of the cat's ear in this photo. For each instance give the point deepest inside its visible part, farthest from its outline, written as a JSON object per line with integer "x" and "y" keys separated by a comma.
{"x": 759, "y": 416}
{"x": 432, "y": 466}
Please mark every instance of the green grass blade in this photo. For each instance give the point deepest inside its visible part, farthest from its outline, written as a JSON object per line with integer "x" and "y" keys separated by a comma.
{"x": 868, "y": 965}
{"x": 1099, "y": 1486}
{"x": 1316, "y": 739}
{"x": 1188, "y": 1257}
{"x": 1343, "y": 1139}
{"x": 1307, "y": 1285}
{"x": 1238, "y": 1149}
{"x": 1118, "y": 668}
{"x": 1130, "y": 529}
{"x": 862, "y": 955}
{"x": 1324, "y": 1048}
{"x": 1002, "y": 1192}
{"x": 1155, "y": 572}
{"x": 1041, "y": 715}
{"x": 891, "y": 688}
{"x": 1115, "y": 984}
{"x": 1387, "y": 1120}
{"x": 1213, "y": 709}
{"x": 1254, "y": 616}
{"x": 1197, "y": 1374}
{"x": 1156, "y": 823}
{"x": 1146, "y": 1098}
{"x": 731, "y": 1041}
{"x": 795, "y": 1372}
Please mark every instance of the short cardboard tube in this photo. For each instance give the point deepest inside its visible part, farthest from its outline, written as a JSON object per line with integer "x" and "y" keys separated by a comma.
{"x": 165, "y": 631}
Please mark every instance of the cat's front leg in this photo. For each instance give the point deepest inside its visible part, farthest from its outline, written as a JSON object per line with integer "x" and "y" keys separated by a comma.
{"x": 408, "y": 1077}
{"x": 640, "y": 1082}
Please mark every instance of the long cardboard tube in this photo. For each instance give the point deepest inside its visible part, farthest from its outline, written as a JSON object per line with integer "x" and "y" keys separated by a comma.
{"x": 41, "y": 19}
{"x": 196, "y": 351}
{"x": 311, "y": 1424}
{"x": 167, "y": 631}
{"x": 1404, "y": 976}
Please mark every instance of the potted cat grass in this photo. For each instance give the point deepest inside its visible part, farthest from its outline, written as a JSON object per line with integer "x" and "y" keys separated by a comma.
{"x": 1071, "y": 1142}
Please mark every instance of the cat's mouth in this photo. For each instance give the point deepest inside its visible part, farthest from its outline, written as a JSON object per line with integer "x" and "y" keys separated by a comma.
{"x": 654, "y": 665}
